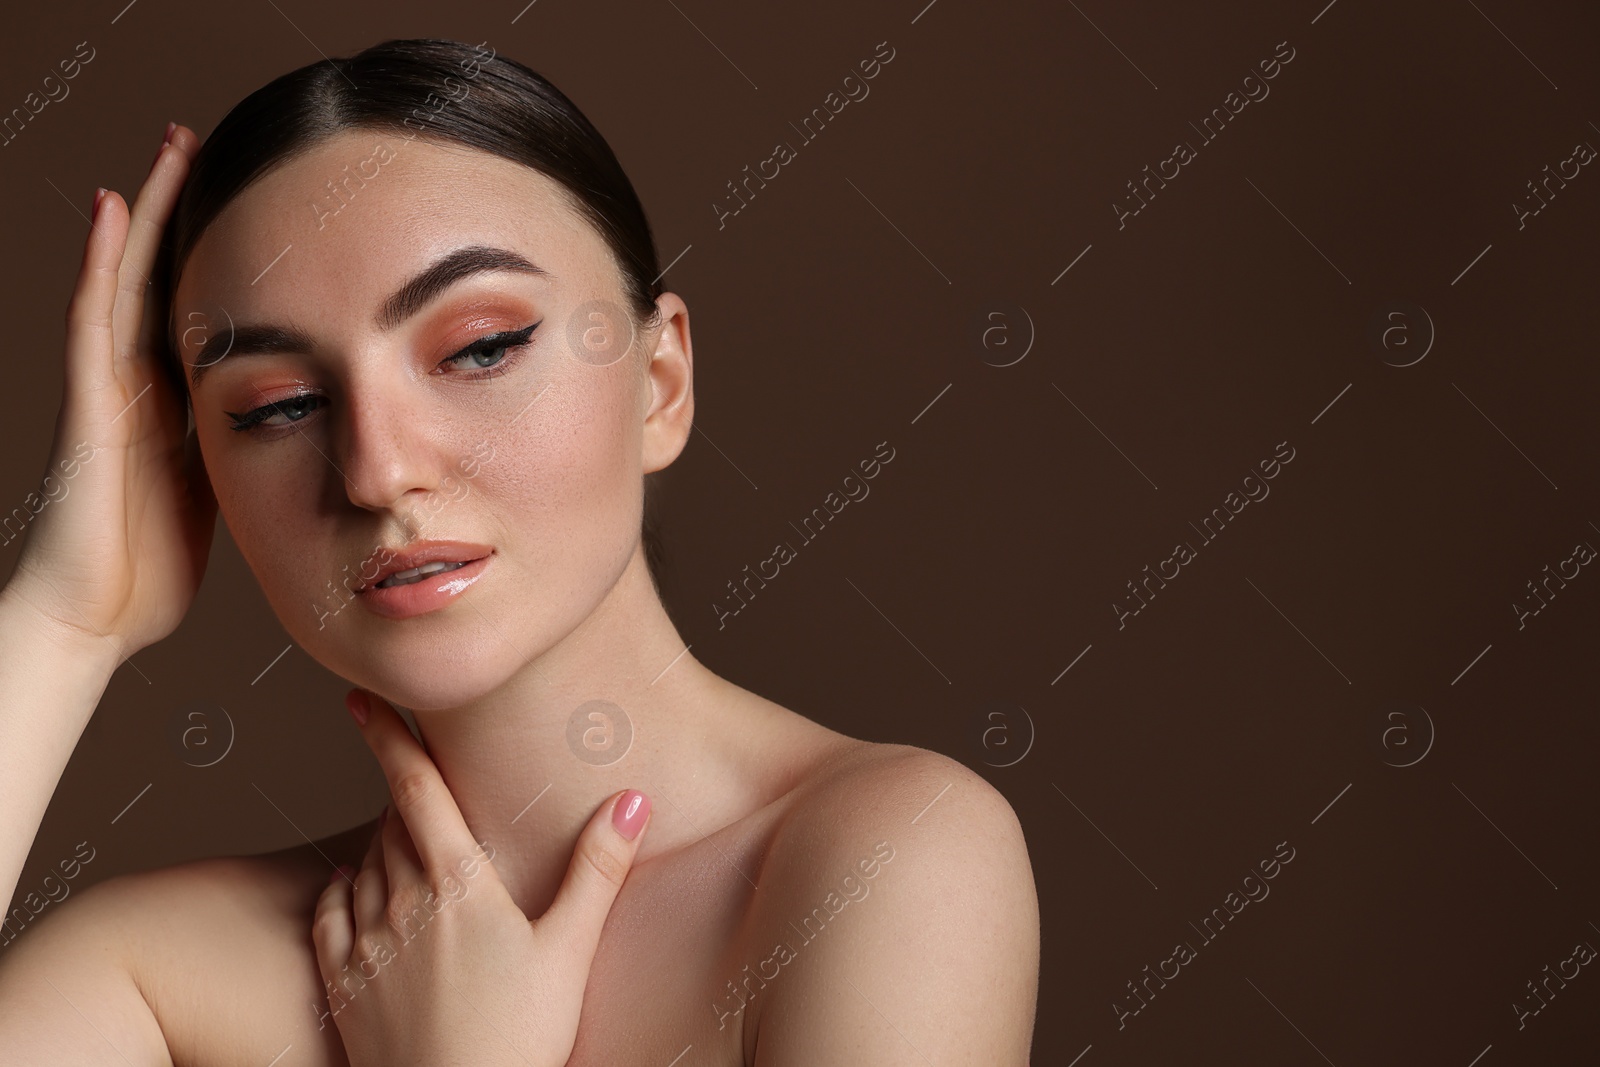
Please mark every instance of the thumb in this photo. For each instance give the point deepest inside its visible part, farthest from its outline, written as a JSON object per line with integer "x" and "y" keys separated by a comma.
{"x": 600, "y": 864}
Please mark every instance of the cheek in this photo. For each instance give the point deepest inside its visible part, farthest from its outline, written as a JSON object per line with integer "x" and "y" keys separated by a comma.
{"x": 569, "y": 470}
{"x": 264, "y": 497}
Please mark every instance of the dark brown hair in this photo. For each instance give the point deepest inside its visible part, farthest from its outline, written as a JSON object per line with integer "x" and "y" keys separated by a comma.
{"x": 442, "y": 91}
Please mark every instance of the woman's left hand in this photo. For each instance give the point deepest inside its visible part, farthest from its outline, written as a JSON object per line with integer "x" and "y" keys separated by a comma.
{"x": 428, "y": 960}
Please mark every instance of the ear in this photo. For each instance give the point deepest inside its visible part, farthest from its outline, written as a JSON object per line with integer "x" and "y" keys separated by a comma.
{"x": 669, "y": 386}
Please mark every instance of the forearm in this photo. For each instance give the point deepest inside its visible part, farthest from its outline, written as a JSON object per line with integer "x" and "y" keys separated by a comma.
{"x": 50, "y": 683}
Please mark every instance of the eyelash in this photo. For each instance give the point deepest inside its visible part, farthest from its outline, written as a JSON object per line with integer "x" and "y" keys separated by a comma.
{"x": 512, "y": 341}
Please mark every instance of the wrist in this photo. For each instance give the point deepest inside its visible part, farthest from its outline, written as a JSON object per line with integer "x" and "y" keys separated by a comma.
{"x": 23, "y": 614}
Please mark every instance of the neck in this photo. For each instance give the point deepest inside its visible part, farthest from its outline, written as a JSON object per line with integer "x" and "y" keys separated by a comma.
{"x": 618, "y": 703}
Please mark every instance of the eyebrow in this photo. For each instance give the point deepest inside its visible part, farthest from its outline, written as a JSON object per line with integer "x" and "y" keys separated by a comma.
{"x": 415, "y": 294}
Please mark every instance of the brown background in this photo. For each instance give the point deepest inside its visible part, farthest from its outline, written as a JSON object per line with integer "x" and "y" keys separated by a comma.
{"x": 1247, "y": 704}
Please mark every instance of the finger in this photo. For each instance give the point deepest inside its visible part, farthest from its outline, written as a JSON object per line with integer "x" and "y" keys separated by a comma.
{"x": 414, "y": 896}
{"x": 89, "y": 366}
{"x": 372, "y": 886}
{"x": 147, "y": 221}
{"x": 332, "y": 930}
{"x": 403, "y": 863}
{"x": 600, "y": 864}
{"x": 434, "y": 822}
{"x": 156, "y": 329}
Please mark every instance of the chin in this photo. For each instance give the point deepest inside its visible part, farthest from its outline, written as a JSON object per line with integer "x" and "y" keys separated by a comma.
{"x": 429, "y": 681}
{"x": 419, "y": 665}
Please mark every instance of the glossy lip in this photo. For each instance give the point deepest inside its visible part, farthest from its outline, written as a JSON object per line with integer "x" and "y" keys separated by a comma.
{"x": 430, "y": 594}
{"x": 421, "y": 552}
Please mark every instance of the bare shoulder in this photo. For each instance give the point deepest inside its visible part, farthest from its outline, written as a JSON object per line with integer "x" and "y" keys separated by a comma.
{"x": 219, "y": 950}
{"x": 899, "y": 903}
{"x": 903, "y": 791}
{"x": 67, "y": 990}
{"x": 232, "y": 967}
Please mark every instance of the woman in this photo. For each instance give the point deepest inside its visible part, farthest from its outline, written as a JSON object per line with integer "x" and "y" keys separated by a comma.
{"x": 413, "y": 305}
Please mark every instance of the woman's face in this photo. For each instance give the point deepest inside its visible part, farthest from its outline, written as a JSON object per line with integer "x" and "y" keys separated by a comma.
{"x": 386, "y": 436}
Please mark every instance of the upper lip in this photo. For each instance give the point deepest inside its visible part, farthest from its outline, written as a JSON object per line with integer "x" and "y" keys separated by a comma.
{"x": 421, "y": 552}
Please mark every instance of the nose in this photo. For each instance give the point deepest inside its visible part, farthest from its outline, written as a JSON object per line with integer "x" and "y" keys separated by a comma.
{"x": 390, "y": 455}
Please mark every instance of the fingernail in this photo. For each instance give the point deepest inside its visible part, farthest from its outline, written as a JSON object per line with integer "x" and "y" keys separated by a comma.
{"x": 99, "y": 195}
{"x": 356, "y": 701}
{"x": 630, "y": 812}
{"x": 165, "y": 140}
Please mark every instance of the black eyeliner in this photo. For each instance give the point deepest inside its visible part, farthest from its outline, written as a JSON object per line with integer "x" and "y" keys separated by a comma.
{"x": 493, "y": 342}
{"x": 509, "y": 339}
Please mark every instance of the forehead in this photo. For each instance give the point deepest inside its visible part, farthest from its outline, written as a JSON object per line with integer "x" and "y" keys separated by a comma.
{"x": 324, "y": 237}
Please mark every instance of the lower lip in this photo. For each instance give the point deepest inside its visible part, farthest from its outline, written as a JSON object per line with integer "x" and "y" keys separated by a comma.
{"x": 418, "y": 598}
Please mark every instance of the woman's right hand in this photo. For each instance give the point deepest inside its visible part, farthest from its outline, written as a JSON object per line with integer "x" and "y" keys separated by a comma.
{"x": 117, "y": 551}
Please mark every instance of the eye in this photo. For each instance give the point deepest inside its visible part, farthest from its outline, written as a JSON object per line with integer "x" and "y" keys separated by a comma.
{"x": 293, "y": 408}
{"x": 492, "y": 349}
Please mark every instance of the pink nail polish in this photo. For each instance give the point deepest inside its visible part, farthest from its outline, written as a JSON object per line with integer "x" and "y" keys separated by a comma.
{"x": 166, "y": 140}
{"x": 356, "y": 702}
{"x": 630, "y": 812}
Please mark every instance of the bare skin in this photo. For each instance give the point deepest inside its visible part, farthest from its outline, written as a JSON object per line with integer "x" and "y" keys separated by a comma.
{"x": 759, "y": 814}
